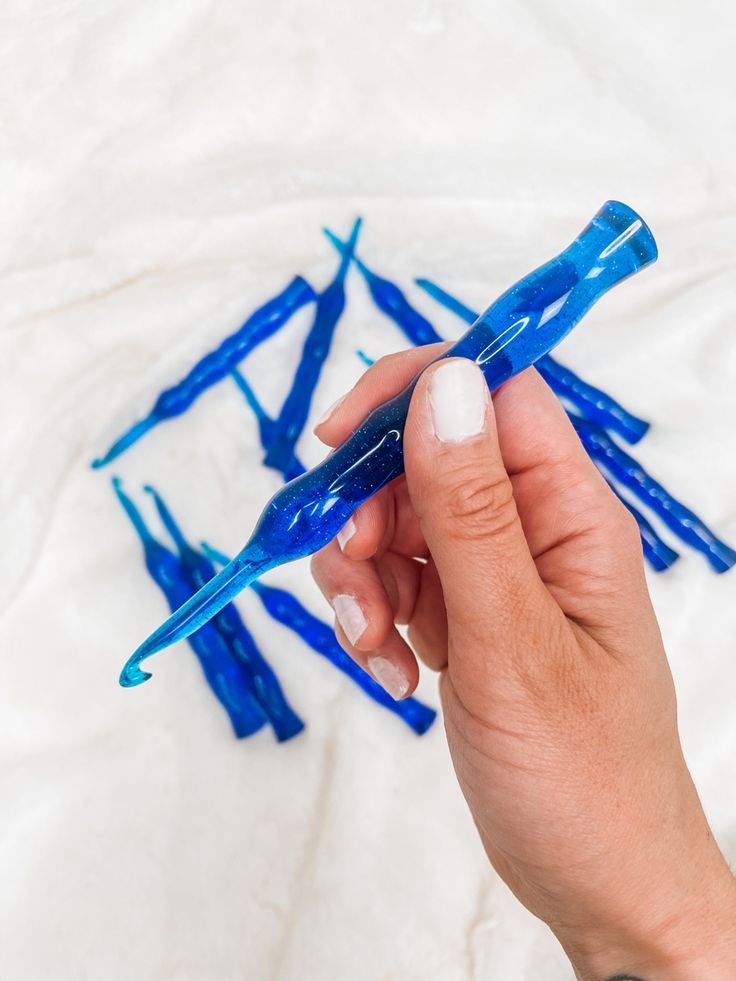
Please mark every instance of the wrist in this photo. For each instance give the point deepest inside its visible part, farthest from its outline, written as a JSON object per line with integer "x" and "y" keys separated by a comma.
{"x": 696, "y": 941}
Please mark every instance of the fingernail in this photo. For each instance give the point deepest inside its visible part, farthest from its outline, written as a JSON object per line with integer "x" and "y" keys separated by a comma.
{"x": 457, "y": 400}
{"x": 323, "y": 418}
{"x": 389, "y": 676}
{"x": 349, "y": 616}
{"x": 346, "y": 532}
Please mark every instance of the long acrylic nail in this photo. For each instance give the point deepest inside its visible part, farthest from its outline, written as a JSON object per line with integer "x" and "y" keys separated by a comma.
{"x": 350, "y": 616}
{"x": 389, "y": 676}
{"x": 457, "y": 398}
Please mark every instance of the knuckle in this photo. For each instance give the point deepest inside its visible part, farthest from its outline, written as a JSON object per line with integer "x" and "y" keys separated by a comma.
{"x": 480, "y": 505}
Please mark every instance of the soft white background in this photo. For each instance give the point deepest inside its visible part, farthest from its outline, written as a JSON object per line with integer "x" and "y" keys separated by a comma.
{"x": 164, "y": 168}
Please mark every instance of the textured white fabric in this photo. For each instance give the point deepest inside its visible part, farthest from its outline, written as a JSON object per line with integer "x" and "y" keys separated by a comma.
{"x": 167, "y": 166}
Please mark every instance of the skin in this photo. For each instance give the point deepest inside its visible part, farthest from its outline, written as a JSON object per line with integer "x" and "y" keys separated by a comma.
{"x": 520, "y": 577}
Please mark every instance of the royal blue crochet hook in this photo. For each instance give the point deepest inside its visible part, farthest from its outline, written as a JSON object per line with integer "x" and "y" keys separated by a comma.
{"x": 388, "y": 297}
{"x": 286, "y": 609}
{"x": 198, "y": 570}
{"x": 295, "y": 410}
{"x": 590, "y": 401}
{"x": 224, "y": 675}
{"x": 625, "y": 470}
{"x": 266, "y": 425}
{"x": 526, "y": 322}
{"x": 216, "y": 365}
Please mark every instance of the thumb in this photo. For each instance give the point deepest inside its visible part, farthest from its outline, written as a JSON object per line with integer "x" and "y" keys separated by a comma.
{"x": 463, "y": 497}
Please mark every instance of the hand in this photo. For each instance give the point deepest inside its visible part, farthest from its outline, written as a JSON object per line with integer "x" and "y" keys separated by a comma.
{"x": 520, "y": 576}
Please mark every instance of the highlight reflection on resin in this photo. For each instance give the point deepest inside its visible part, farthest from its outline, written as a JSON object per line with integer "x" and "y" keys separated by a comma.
{"x": 520, "y": 327}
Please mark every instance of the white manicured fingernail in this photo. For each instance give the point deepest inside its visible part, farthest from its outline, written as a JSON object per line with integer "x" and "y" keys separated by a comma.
{"x": 350, "y": 616}
{"x": 457, "y": 398}
{"x": 346, "y": 532}
{"x": 390, "y": 677}
{"x": 323, "y": 418}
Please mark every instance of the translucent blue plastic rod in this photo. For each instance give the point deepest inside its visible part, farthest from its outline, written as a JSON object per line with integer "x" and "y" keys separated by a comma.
{"x": 657, "y": 552}
{"x": 216, "y": 365}
{"x": 526, "y": 322}
{"x": 628, "y": 473}
{"x": 266, "y": 425}
{"x": 198, "y": 570}
{"x": 295, "y": 410}
{"x": 224, "y": 675}
{"x": 320, "y": 636}
{"x": 593, "y": 403}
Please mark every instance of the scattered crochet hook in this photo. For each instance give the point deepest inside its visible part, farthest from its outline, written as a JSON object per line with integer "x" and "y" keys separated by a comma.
{"x": 627, "y": 472}
{"x": 295, "y": 410}
{"x": 267, "y": 691}
{"x": 224, "y": 675}
{"x": 526, "y": 322}
{"x": 217, "y": 364}
{"x": 266, "y": 425}
{"x": 286, "y": 609}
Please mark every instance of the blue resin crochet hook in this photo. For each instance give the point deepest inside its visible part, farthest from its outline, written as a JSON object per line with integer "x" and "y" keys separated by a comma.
{"x": 388, "y": 297}
{"x": 228, "y": 623}
{"x": 295, "y": 410}
{"x": 216, "y": 365}
{"x": 625, "y": 470}
{"x": 320, "y": 636}
{"x": 526, "y": 322}
{"x": 224, "y": 676}
{"x": 266, "y": 425}
{"x": 592, "y": 402}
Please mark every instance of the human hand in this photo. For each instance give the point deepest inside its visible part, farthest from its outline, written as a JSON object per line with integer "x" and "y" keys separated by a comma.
{"x": 520, "y": 576}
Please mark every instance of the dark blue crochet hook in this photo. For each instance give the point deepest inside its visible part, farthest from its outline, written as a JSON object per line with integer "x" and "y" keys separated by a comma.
{"x": 216, "y": 365}
{"x": 224, "y": 675}
{"x": 526, "y": 322}
{"x": 266, "y": 425}
{"x": 286, "y": 609}
{"x": 295, "y": 410}
{"x": 198, "y": 570}
{"x": 625, "y": 470}
{"x": 389, "y": 298}
{"x": 656, "y": 551}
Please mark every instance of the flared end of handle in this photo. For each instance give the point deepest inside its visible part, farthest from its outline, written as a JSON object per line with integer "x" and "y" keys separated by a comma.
{"x": 624, "y": 236}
